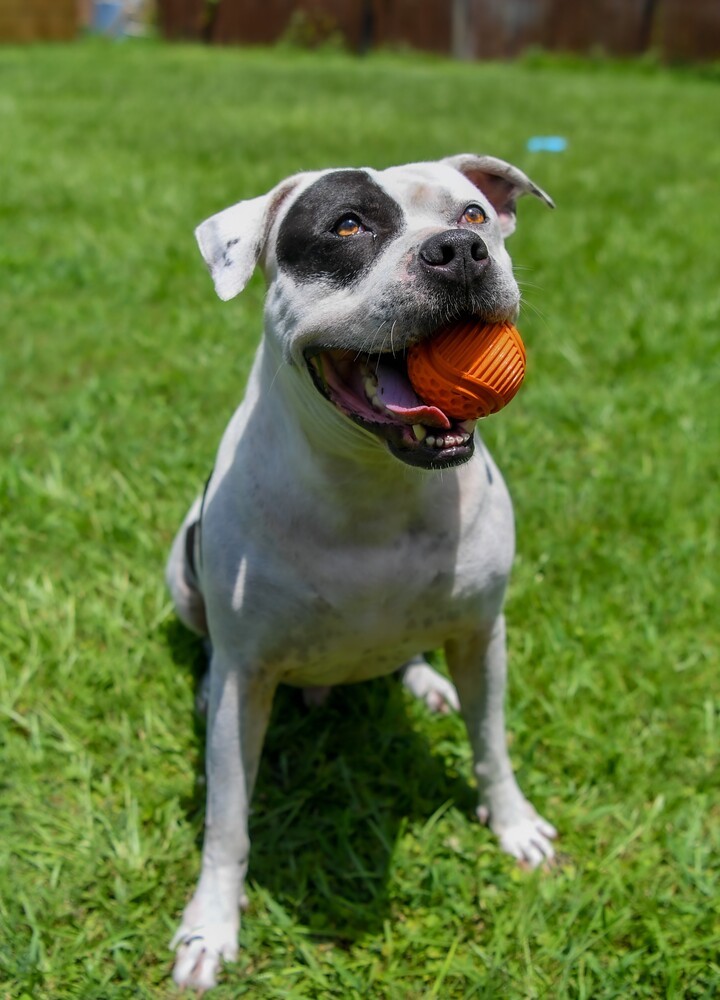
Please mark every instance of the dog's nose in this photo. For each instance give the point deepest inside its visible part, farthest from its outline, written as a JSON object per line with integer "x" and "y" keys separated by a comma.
{"x": 457, "y": 254}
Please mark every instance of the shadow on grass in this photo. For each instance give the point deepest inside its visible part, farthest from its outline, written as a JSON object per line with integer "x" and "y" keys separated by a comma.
{"x": 335, "y": 787}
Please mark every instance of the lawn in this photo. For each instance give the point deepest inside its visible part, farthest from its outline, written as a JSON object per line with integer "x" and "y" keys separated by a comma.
{"x": 369, "y": 876}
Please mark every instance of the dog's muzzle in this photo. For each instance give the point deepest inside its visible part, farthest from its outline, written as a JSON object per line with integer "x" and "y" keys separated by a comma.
{"x": 375, "y": 392}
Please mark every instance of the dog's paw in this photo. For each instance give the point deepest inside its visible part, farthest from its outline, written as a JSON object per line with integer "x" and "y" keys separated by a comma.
{"x": 200, "y": 953}
{"x": 425, "y": 683}
{"x": 526, "y": 835}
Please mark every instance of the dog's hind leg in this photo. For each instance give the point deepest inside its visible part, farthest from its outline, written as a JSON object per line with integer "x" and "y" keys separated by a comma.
{"x": 425, "y": 683}
{"x": 180, "y": 573}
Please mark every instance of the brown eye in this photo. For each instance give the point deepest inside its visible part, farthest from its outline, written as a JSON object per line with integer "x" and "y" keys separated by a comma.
{"x": 349, "y": 226}
{"x": 474, "y": 215}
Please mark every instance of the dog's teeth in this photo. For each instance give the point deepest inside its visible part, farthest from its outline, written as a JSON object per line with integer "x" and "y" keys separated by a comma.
{"x": 468, "y": 425}
{"x": 370, "y": 385}
{"x": 377, "y": 403}
{"x": 439, "y": 442}
{"x": 430, "y": 441}
{"x": 419, "y": 432}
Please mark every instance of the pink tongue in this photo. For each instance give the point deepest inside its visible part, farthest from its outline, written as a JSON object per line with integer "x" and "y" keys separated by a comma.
{"x": 399, "y": 397}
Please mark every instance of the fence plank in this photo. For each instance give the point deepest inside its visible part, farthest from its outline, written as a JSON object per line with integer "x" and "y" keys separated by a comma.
{"x": 263, "y": 22}
{"x": 39, "y": 20}
{"x": 689, "y": 29}
{"x": 182, "y": 19}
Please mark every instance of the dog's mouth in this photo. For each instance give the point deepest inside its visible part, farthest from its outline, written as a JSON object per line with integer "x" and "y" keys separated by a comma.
{"x": 374, "y": 391}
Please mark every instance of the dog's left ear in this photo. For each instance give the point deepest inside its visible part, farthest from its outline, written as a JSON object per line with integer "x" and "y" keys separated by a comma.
{"x": 233, "y": 240}
{"x": 500, "y": 182}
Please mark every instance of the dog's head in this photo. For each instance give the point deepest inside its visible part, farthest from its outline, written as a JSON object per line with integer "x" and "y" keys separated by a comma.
{"x": 361, "y": 264}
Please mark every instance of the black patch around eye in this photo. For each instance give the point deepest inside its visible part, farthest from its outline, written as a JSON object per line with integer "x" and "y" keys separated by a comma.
{"x": 308, "y": 248}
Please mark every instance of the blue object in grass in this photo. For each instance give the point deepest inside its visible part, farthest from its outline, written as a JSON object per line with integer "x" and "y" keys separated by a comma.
{"x": 547, "y": 144}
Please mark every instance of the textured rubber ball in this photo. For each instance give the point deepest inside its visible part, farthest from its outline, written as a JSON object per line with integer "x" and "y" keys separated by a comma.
{"x": 468, "y": 370}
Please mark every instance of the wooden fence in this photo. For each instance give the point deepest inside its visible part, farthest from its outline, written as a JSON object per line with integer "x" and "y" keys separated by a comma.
{"x": 473, "y": 29}
{"x": 38, "y": 20}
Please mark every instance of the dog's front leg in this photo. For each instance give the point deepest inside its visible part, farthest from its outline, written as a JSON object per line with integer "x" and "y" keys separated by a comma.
{"x": 478, "y": 667}
{"x": 238, "y": 713}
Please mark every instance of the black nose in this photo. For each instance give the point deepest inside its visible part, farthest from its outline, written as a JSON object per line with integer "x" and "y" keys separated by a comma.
{"x": 457, "y": 254}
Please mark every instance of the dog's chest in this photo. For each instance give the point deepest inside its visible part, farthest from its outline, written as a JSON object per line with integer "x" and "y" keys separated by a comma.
{"x": 363, "y": 609}
{"x": 326, "y": 586}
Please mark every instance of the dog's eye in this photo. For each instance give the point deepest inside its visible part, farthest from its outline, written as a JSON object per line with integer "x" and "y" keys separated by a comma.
{"x": 349, "y": 225}
{"x": 474, "y": 215}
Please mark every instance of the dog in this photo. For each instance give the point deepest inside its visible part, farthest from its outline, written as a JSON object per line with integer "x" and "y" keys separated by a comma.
{"x": 346, "y": 526}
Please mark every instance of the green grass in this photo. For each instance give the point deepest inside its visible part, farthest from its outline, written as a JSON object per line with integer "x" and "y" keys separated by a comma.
{"x": 369, "y": 877}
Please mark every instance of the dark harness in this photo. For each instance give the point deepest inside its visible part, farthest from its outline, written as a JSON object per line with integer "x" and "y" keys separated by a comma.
{"x": 193, "y": 536}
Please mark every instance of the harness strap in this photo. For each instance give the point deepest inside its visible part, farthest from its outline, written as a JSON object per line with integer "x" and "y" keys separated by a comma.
{"x": 193, "y": 536}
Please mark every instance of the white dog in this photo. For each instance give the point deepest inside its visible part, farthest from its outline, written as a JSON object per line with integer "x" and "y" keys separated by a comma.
{"x": 347, "y": 526}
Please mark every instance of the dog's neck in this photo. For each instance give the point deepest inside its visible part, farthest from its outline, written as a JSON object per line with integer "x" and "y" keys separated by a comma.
{"x": 332, "y": 455}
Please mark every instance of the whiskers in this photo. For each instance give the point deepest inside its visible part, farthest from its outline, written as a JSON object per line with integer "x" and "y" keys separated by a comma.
{"x": 283, "y": 363}
{"x": 524, "y": 286}
{"x": 369, "y": 346}
{"x": 528, "y": 304}
{"x": 369, "y": 342}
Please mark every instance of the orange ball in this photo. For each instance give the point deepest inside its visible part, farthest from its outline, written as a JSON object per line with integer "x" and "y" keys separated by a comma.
{"x": 468, "y": 370}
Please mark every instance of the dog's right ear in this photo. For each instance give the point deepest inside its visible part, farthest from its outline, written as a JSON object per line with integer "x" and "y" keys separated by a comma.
{"x": 233, "y": 240}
